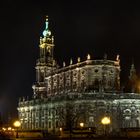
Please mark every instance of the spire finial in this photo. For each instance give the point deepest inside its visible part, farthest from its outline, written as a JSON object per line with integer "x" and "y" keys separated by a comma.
{"x": 64, "y": 64}
{"x": 47, "y": 22}
{"x": 78, "y": 59}
{"x": 133, "y": 77}
{"x": 118, "y": 57}
{"x": 46, "y": 17}
{"x": 88, "y": 57}
{"x": 71, "y": 61}
{"x": 132, "y": 65}
{"x": 40, "y": 40}
{"x": 46, "y": 32}
{"x": 132, "y": 69}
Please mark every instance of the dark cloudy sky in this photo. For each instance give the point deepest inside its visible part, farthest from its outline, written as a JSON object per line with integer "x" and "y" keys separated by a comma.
{"x": 95, "y": 27}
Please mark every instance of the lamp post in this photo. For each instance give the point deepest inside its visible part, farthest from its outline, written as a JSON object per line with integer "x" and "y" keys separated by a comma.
{"x": 81, "y": 125}
{"x": 105, "y": 121}
{"x": 60, "y": 129}
{"x": 17, "y": 124}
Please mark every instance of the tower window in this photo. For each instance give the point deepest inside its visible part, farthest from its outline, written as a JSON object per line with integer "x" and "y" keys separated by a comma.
{"x": 83, "y": 72}
{"x": 49, "y": 112}
{"x": 112, "y": 71}
{"x": 50, "y": 124}
{"x": 56, "y": 124}
{"x": 96, "y": 70}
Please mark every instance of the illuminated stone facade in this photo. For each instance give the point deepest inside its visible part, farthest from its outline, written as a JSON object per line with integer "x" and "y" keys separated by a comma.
{"x": 82, "y": 92}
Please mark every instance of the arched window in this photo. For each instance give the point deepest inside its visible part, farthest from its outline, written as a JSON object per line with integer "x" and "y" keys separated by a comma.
{"x": 96, "y": 84}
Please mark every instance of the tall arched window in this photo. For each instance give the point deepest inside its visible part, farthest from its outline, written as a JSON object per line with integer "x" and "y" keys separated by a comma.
{"x": 96, "y": 84}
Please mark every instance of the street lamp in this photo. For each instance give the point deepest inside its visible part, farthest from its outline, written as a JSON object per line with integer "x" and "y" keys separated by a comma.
{"x": 60, "y": 129}
{"x": 17, "y": 124}
{"x": 105, "y": 121}
{"x": 4, "y": 129}
{"x": 9, "y": 128}
{"x": 81, "y": 125}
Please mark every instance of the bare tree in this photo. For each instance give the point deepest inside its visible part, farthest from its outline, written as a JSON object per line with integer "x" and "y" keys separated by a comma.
{"x": 72, "y": 114}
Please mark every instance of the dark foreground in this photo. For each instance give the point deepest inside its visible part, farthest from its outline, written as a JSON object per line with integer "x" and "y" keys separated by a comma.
{"x": 99, "y": 138}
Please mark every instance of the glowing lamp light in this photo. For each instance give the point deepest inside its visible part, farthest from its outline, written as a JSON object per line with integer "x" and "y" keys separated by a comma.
{"x": 105, "y": 121}
{"x": 81, "y": 125}
{"x": 17, "y": 124}
{"x": 60, "y": 128}
{"x": 9, "y": 128}
{"x": 4, "y": 129}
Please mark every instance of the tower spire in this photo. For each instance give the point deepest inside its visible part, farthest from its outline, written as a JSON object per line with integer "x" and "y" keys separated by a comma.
{"x": 133, "y": 77}
{"x": 132, "y": 70}
{"x": 46, "y": 32}
{"x": 46, "y": 46}
{"x": 45, "y": 63}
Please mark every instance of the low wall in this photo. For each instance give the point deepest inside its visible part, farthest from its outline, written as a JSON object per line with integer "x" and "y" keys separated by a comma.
{"x": 32, "y": 133}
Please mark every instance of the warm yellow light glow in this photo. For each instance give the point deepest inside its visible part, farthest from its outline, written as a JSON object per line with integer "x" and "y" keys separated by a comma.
{"x": 9, "y": 128}
{"x": 60, "y": 129}
{"x": 17, "y": 124}
{"x": 4, "y": 129}
{"x": 42, "y": 46}
{"x": 81, "y": 124}
{"x": 105, "y": 120}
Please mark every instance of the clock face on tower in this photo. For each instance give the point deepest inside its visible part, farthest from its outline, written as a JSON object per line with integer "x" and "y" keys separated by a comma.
{"x": 44, "y": 32}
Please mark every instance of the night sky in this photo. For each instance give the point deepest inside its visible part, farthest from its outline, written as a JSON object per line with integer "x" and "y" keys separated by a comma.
{"x": 79, "y": 28}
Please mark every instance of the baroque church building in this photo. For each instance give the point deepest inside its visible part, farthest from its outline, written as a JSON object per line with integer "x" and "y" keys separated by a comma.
{"x": 82, "y": 92}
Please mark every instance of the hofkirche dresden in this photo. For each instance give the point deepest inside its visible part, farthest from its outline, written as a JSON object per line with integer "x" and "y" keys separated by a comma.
{"x": 63, "y": 97}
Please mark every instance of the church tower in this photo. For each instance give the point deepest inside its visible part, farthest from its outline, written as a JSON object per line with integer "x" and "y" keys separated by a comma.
{"x": 46, "y": 63}
{"x": 46, "y": 46}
